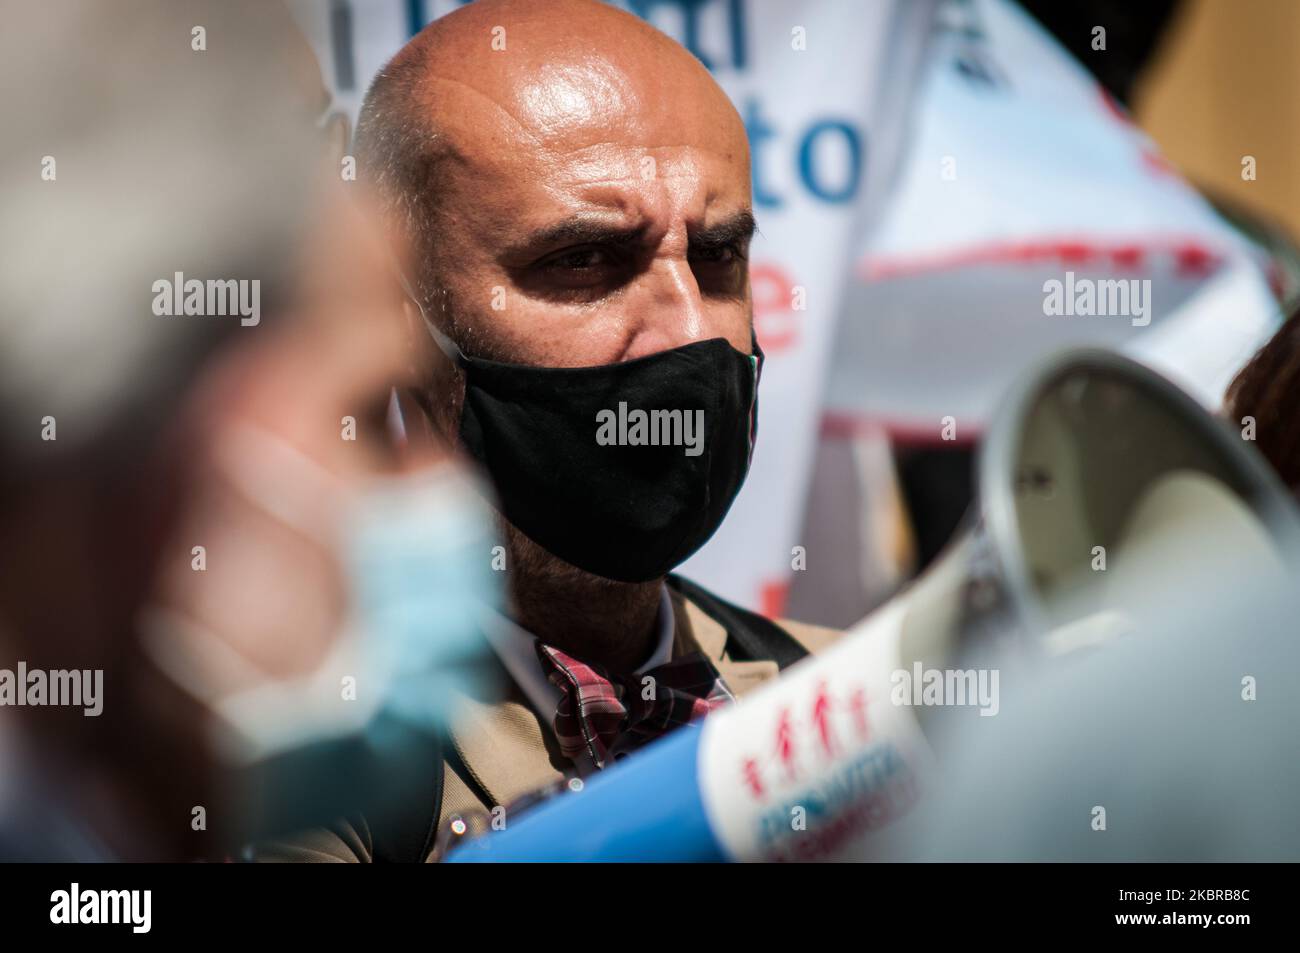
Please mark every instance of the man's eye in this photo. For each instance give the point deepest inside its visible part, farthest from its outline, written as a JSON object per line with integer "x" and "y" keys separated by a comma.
{"x": 573, "y": 270}
{"x": 579, "y": 259}
{"x": 719, "y": 255}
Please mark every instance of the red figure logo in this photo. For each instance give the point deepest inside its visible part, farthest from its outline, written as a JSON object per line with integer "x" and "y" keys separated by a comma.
{"x": 821, "y": 717}
{"x": 858, "y": 707}
{"x": 752, "y": 778}
{"x": 785, "y": 743}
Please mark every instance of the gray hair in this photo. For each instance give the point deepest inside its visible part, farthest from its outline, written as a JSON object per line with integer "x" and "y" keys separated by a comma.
{"x": 129, "y": 156}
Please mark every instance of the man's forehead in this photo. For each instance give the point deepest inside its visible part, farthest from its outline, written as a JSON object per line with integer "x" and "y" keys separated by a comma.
{"x": 502, "y": 200}
{"x": 555, "y": 149}
{"x": 561, "y": 110}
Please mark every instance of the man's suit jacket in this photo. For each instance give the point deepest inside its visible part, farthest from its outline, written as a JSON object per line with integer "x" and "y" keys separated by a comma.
{"x": 500, "y": 751}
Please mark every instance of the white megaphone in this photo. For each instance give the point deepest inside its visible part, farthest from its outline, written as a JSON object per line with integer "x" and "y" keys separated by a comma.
{"x": 1103, "y": 492}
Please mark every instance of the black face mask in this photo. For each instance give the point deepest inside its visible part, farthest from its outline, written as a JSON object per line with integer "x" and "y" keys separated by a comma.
{"x": 623, "y": 470}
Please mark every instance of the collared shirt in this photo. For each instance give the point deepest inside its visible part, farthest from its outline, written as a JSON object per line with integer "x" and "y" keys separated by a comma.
{"x": 516, "y": 648}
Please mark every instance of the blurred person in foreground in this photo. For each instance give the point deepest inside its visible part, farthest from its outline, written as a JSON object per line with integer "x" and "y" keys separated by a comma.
{"x": 178, "y": 599}
{"x": 576, "y": 191}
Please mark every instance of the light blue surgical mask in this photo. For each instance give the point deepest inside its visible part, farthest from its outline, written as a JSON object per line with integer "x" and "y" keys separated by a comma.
{"x": 418, "y": 553}
{"x": 416, "y": 550}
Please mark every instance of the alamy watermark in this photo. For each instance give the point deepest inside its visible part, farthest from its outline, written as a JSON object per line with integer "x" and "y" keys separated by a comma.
{"x": 72, "y": 688}
{"x": 651, "y": 428}
{"x": 1105, "y": 297}
{"x": 77, "y": 906}
{"x": 925, "y": 687}
{"x": 217, "y": 297}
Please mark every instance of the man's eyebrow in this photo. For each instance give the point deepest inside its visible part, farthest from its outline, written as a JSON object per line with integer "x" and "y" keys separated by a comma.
{"x": 575, "y": 231}
{"x": 733, "y": 230}
{"x": 586, "y": 230}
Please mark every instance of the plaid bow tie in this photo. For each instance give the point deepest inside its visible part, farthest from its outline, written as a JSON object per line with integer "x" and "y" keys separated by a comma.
{"x": 608, "y": 716}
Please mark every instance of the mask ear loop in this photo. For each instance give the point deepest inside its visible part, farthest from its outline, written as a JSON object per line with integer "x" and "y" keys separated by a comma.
{"x": 450, "y": 349}
{"x": 445, "y": 344}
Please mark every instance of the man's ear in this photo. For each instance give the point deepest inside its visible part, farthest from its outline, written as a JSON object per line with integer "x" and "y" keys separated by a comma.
{"x": 431, "y": 363}
{"x": 429, "y": 373}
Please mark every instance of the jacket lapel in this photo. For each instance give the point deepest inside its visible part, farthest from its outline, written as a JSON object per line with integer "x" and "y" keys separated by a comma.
{"x": 503, "y": 746}
{"x": 693, "y": 630}
{"x": 509, "y": 753}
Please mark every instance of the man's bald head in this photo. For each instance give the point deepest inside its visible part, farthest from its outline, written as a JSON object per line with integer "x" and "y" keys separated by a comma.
{"x": 508, "y": 131}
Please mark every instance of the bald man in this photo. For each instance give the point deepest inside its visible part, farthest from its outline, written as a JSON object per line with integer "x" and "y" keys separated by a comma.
{"x": 577, "y": 190}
